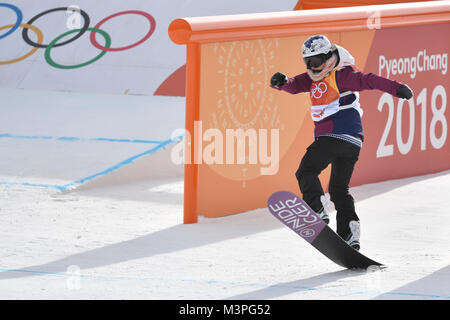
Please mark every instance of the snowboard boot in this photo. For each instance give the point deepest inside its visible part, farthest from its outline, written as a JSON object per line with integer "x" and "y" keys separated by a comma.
{"x": 353, "y": 237}
{"x": 323, "y": 212}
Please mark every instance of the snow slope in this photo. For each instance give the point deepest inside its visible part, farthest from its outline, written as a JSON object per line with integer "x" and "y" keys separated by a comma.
{"x": 63, "y": 139}
{"x": 128, "y": 242}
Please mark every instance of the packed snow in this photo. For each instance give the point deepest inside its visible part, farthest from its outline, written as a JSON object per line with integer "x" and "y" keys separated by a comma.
{"x": 120, "y": 235}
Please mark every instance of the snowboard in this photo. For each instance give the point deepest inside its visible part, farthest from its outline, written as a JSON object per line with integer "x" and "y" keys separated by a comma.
{"x": 293, "y": 212}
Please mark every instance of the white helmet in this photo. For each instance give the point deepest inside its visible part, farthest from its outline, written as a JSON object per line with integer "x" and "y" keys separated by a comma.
{"x": 315, "y": 45}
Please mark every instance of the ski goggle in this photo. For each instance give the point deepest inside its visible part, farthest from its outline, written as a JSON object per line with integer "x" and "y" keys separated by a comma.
{"x": 316, "y": 61}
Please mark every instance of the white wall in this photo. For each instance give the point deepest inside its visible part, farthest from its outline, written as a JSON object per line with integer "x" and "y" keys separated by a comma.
{"x": 139, "y": 70}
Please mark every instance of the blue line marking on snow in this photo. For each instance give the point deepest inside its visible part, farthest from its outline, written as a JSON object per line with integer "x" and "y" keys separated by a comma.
{"x": 213, "y": 282}
{"x": 160, "y": 145}
{"x": 28, "y": 184}
{"x": 421, "y": 295}
{"x": 409, "y": 294}
{"x": 73, "y": 139}
{"x": 117, "y": 166}
{"x": 8, "y": 135}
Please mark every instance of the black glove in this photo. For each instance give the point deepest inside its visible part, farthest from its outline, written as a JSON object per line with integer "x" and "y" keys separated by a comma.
{"x": 278, "y": 79}
{"x": 404, "y": 92}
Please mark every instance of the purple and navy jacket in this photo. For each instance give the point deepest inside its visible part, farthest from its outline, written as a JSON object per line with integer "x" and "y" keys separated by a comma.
{"x": 345, "y": 122}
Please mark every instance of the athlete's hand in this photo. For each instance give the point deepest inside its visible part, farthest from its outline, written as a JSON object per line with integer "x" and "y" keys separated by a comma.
{"x": 278, "y": 79}
{"x": 404, "y": 92}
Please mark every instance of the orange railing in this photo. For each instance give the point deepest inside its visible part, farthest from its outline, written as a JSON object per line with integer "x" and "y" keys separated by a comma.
{"x": 321, "y": 4}
{"x": 282, "y": 24}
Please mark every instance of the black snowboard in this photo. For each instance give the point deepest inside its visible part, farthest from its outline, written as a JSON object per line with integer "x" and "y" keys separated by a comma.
{"x": 299, "y": 217}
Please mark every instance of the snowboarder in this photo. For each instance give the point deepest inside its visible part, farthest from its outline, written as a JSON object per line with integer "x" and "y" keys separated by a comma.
{"x": 333, "y": 82}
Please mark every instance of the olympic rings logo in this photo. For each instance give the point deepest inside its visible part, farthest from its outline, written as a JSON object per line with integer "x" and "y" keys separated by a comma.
{"x": 77, "y": 34}
{"x": 318, "y": 90}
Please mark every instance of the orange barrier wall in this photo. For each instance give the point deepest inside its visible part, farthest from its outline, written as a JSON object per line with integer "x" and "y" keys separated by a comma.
{"x": 230, "y": 60}
{"x": 321, "y": 4}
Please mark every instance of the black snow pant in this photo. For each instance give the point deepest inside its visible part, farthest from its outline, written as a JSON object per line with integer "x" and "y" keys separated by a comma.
{"x": 342, "y": 155}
